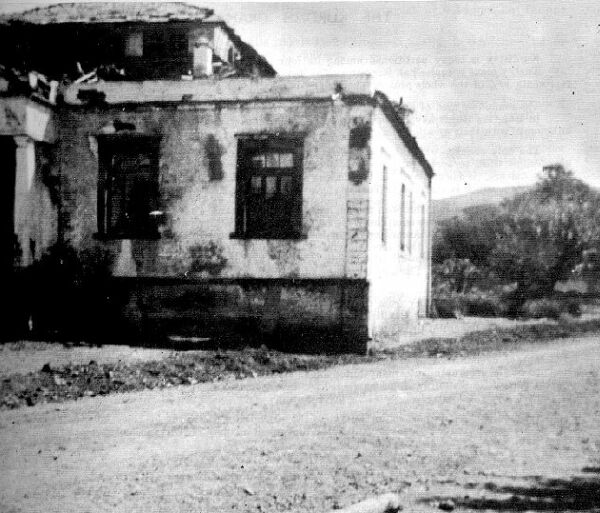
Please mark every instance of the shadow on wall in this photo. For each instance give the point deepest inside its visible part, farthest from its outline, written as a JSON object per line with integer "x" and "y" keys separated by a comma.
{"x": 60, "y": 296}
{"x": 580, "y": 493}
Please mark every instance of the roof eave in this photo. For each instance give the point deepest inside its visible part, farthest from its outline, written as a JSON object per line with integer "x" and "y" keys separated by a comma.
{"x": 383, "y": 102}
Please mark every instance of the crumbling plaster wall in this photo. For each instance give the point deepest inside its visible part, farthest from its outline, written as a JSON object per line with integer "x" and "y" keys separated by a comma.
{"x": 200, "y": 204}
{"x": 357, "y": 192}
{"x": 398, "y": 278}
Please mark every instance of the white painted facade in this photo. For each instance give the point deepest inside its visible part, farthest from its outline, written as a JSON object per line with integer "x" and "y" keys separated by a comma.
{"x": 398, "y": 271}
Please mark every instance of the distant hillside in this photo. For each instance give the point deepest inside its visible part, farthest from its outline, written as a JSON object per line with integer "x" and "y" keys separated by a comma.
{"x": 450, "y": 207}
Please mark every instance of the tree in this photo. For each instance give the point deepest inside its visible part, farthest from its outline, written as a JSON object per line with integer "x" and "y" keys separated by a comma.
{"x": 546, "y": 232}
{"x": 455, "y": 275}
{"x": 461, "y": 248}
{"x": 471, "y": 236}
{"x": 589, "y": 269}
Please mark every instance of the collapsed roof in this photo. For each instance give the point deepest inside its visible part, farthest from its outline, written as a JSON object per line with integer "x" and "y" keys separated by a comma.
{"x": 112, "y": 12}
{"x": 68, "y": 40}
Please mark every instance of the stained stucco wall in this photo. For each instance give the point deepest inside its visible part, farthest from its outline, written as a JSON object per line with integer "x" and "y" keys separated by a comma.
{"x": 398, "y": 278}
{"x": 301, "y": 315}
{"x": 201, "y": 209}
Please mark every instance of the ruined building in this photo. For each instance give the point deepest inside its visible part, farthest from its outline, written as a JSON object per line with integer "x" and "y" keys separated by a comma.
{"x": 223, "y": 198}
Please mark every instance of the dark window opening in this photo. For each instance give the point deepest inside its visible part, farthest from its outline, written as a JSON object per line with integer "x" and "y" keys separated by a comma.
{"x": 410, "y": 221}
{"x": 269, "y": 188}
{"x": 162, "y": 43}
{"x": 178, "y": 43}
{"x": 128, "y": 187}
{"x": 422, "y": 231}
{"x": 155, "y": 44}
{"x": 402, "y": 217}
{"x": 384, "y": 207}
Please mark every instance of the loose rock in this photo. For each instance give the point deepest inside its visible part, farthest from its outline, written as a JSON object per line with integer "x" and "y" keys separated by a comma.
{"x": 447, "y": 505}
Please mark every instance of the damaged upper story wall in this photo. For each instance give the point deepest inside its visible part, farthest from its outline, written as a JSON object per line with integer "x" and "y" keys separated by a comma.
{"x": 198, "y": 146}
{"x": 133, "y": 41}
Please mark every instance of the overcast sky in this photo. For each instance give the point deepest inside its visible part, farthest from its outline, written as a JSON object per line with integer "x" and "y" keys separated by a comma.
{"x": 498, "y": 89}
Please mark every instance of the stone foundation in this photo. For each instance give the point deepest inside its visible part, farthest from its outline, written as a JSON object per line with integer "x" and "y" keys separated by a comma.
{"x": 305, "y": 315}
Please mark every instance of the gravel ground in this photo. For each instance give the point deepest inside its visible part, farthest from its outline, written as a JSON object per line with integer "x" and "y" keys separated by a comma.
{"x": 442, "y": 328}
{"x": 497, "y": 428}
{"x": 73, "y": 381}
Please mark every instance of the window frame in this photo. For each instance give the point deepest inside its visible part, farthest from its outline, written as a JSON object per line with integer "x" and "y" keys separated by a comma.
{"x": 254, "y": 145}
{"x": 108, "y": 147}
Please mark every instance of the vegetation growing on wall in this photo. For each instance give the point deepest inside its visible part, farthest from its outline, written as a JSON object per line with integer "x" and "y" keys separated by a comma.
{"x": 207, "y": 258}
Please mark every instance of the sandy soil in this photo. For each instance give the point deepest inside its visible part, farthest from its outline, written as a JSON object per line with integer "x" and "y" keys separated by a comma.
{"x": 441, "y": 328}
{"x": 313, "y": 441}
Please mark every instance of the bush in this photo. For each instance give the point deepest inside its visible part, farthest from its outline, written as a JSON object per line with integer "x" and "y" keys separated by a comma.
{"x": 574, "y": 307}
{"x": 541, "y": 308}
{"x": 455, "y": 276}
{"x": 482, "y": 305}
{"x": 447, "y": 307}
{"x": 551, "y": 308}
{"x": 477, "y": 304}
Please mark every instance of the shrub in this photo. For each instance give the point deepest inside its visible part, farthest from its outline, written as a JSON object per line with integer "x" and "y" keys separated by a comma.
{"x": 573, "y": 306}
{"x": 551, "y": 308}
{"x": 447, "y": 307}
{"x": 482, "y": 305}
{"x": 455, "y": 276}
{"x": 541, "y": 308}
{"x": 478, "y": 304}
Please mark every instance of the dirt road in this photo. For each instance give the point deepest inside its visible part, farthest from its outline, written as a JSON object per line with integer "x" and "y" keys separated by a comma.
{"x": 314, "y": 441}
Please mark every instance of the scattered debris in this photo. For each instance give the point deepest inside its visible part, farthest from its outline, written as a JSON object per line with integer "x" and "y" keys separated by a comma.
{"x": 86, "y": 78}
{"x": 31, "y": 83}
{"x": 447, "y": 505}
{"x": 70, "y": 382}
{"x": 58, "y": 381}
